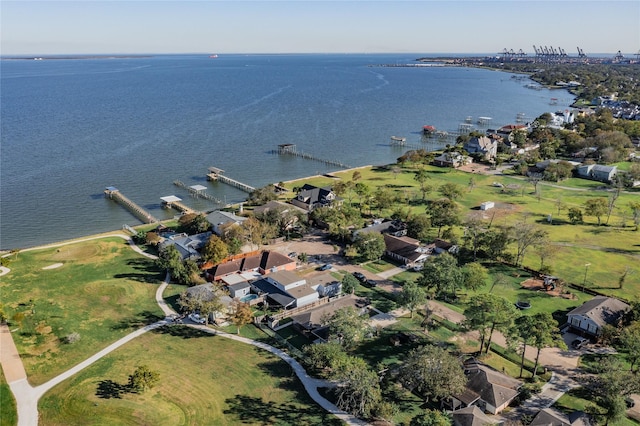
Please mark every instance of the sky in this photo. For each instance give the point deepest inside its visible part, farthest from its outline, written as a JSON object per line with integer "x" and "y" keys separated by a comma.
{"x": 303, "y": 26}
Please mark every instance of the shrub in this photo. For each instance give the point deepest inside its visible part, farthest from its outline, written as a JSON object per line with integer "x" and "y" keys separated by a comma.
{"x": 71, "y": 338}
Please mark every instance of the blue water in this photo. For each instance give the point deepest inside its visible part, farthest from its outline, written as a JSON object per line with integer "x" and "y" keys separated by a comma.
{"x": 72, "y": 127}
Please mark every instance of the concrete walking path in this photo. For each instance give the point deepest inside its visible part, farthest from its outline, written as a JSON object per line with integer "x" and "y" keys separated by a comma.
{"x": 27, "y": 396}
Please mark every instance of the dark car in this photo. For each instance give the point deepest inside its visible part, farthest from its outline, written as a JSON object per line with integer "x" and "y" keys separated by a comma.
{"x": 360, "y": 276}
{"x": 371, "y": 283}
{"x": 325, "y": 267}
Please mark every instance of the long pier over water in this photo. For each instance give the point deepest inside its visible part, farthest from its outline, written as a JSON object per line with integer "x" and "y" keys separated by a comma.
{"x": 114, "y": 194}
{"x": 290, "y": 149}
{"x": 218, "y": 174}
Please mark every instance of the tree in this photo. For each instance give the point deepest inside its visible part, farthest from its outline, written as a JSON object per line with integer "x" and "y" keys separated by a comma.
{"x": 629, "y": 343}
{"x": 635, "y": 211}
{"x": 348, "y": 326}
{"x": 324, "y": 357}
{"x": 349, "y": 284}
{"x": 194, "y": 223}
{"x": 442, "y": 274}
{"x": 596, "y": 207}
{"x": 487, "y": 312}
{"x": 475, "y": 276}
{"x": 422, "y": 176}
{"x": 522, "y": 334}
{"x": 433, "y": 372}
{"x": 143, "y": 378}
{"x": 370, "y": 245}
{"x": 474, "y": 233}
{"x": 358, "y": 391}
{"x": 450, "y": 190}
{"x": 418, "y": 227}
{"x": 443, "y": 212}
{"x": 214, "y": 250}
{"x": 575, "y": 215}
{"x": 527, "y": 235}
{"x": 609, "y": 387}
{"x": 411, "y": 296}
{"x": 431, "y": 418}
{"x": 544, "y": 334}
{"x": 242, "y": 314}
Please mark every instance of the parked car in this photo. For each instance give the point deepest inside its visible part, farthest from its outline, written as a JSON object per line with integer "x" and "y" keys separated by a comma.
{"x": 293, "y": 255}
{"x": 196, "y": 318}
{"x": 629, "y": 402}
{"x": 360, "y": 276}
{"x": 579, "y": 342}
{"x": 325, "y": 267}
{"x": 371, "y": 283}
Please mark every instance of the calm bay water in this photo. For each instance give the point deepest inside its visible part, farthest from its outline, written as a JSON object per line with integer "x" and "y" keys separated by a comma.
{"x": 72, "y": 127}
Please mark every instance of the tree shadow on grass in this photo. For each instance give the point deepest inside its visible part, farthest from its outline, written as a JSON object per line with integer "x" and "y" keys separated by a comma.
{"x": 108, "y": 389}
{"x": 182, "y": 331}
{"x": 148, "y": 272}
{"x": 247, "y": 409}
{"x": 140, "y": 320}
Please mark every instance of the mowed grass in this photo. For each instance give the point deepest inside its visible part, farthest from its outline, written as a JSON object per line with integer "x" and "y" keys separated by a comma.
{"x": 204, "y": 379}
{"x": 8, "y": 413}
{"x": 610, "y": 249}
{"x": 103, "y": 290}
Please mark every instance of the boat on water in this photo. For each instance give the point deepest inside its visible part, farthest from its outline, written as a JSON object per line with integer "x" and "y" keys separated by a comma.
{"x": 213, "y": 56}
{"x": 427, "y": 130}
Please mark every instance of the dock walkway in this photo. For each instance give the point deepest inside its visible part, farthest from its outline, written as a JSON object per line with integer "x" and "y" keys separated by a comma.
{"x": 218, "y": 175}
{"x": 114, "y": 194}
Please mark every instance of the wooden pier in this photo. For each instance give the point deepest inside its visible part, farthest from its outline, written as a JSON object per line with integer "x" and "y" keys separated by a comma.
{"x": 291, "y": 149}
{"x": 218, "y": 175}
{"x": 114, "y": 194}
{"x": 171, "y": 201}
{"x": 197, "y": 191}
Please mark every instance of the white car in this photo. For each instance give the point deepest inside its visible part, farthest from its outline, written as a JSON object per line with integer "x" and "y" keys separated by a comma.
{"x": 196, "y": 318}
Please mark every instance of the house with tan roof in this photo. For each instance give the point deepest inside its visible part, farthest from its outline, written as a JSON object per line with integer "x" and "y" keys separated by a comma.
{"x": 553, "y": 417}
{"x": 405, "y": 250}
{"x": 471, "y": 416}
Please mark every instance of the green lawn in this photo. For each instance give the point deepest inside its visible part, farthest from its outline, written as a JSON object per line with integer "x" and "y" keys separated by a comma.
{"x": 616, "y": 244}
{"x": 8, "y": 413}
{"x": 102, "y": 291}
{"x": 204, "y": 379}
{"x": 577, "y": 400}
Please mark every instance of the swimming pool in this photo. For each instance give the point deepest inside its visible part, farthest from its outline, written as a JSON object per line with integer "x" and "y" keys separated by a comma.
{"x": 248, "y": 298}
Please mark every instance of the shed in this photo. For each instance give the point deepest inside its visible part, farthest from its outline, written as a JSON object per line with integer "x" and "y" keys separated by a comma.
{"x": 487, "y": 205}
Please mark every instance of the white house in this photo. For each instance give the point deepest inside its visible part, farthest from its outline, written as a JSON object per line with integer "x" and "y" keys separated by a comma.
{"x": 591, "y": 316}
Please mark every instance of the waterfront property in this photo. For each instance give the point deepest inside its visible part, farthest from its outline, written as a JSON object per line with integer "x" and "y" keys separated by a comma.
{"x": 311, "y": 197}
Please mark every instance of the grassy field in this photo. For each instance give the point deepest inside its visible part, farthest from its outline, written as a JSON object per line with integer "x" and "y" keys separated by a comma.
{"x": 204, "y": 379}
{"x": 100, "y": 289}
{"x": 610, "y": 249}
{"x": 8, "y": 413}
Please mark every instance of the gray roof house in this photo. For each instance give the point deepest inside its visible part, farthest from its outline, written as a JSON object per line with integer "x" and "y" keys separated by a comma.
{"x": 489, "y": 389}
{"x": 219, "y": 218}
{"x": 597, "y": 172}
{"x": 483, "y": 145}
{"x": 553, "y": 417}
{"x": 187, "y": 245}
{"x": 471, "y": 416}
{"x": 310, "y": 197}
{"x": 591, "y": 316}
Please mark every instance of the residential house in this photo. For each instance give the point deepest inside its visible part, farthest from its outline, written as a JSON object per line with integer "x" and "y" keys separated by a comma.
{"x": 286, "y": 211}
{"x": 597, "y": 172}
{"x": 483, "y": 145}
{"x": 508, "y": 131}
{"x": 553, "y": 417}
{"x": 312, "y": 320}
{"x": 452, "y": 159}
{"x": 404, "y": 249}
{"x": 471, "y": 416}
{"x": 187, "y": 245}
{"x": 220, "y": 219}
{"x": 295, "y": 286}
{"x": 239, "y": 290}
{"x": 264, "y": 263}
{"x": 207, "y": 292}
{"x": 489, "y": 389}
{"x": 591, "y": 316}
{"x": 393, "y": 227}
{"x": 311, "y": 197}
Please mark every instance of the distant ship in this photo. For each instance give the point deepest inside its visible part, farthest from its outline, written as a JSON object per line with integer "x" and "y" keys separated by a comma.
{"x": 213, "y": 56}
